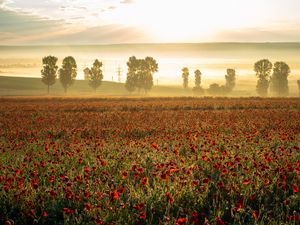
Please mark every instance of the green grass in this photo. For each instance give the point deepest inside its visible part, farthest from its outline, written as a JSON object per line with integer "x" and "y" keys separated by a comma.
{"x": 25, "y": 86}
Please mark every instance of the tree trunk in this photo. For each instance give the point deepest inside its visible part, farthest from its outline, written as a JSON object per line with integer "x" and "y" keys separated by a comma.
{"x": 48, "y": 89}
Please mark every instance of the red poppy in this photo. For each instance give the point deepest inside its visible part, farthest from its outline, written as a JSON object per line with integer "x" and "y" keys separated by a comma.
{"x": 144, "y": 181}
{"x": 181, "y": 221}
{"x": 142, "y": 215}
{"x": 169, "y": 198}
{"x": 154, "y": 145}
{"x": 295, "y": 188}
{"x": 87, "y": 206}
{"x": 124, "y": 174}
{"x": 247, "y": 182}
{"x": 163, "y": 177}
{"x": 115, "y": 195}
{"x": 139, "y": 206}
{"x": 219, "y": 221}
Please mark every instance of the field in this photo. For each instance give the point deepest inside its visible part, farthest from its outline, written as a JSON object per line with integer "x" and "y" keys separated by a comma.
{"x": 149, "y": 160}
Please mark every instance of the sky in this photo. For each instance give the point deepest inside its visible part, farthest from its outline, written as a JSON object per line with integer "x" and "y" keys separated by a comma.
{"x": 147, "y": 21}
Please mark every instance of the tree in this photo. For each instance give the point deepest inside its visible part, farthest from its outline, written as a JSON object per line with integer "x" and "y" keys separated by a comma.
{"x": 279, "y": 81}
{"x": 151, "y": 67}
{"x": 230, "y": 80}
{"x": 140, "y": 74}
{"x": 263, "y": 70}
{"x": 185, "y": 76}
{"x": 197, "y": 78}
{"x": 68, "y": 72}
{"x": 298, "y": 82}
{"x": 95, "y": 75}
{"x": 198, "y": 89}
{"x": 86, "y": 72}
{"x": 215, "y": 89}
{"x": 49, "y": 71}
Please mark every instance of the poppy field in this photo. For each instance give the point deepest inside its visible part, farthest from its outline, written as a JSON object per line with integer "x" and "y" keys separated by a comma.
{"x": 149, "y": 161}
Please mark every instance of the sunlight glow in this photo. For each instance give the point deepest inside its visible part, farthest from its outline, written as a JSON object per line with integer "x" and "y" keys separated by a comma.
{"x": 190, "y": 20}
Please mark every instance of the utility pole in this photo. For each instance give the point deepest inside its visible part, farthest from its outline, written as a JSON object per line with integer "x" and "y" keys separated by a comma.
{"x": 119, "y": 71}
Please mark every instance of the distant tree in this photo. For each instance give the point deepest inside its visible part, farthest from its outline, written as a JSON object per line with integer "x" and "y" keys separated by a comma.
{"x": 198, "y": 90}
{"x": 140, "y": 74}
{"x": 49, "y": 71}
{"x": 230, "y": 80}
{"x": 298, "y": 82}
{"x": 185, "y": 77}
{"x": 131, "y": 81}
{"x": 150, "y": 68}
{"x": 95, "y": 75}
{"x": 279, "y": 81}
{"x": 86, "y": 72}
{"x": 197, "y": 78}
{"x": 263, "y": 70}
{"x": 68, "y": 72}
{"x": 215, "y": 89}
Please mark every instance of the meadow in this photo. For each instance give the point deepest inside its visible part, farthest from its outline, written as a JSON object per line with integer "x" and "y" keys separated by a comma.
{"x": 148, "y": 160}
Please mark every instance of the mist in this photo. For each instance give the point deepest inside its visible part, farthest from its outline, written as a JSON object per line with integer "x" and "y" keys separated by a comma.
{"x": 212, "y": 59}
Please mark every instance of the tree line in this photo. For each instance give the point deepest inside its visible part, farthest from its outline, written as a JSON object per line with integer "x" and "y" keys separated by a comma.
{"x": 140, "y": 76}
{"x": 214, "y": 89}
{"x": 68, "y": 72}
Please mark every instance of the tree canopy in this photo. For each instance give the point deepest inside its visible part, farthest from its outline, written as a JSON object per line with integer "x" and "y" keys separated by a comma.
{"x": 68, "y": 72}
{"x": 230, "y": 80}
{"x": 185, "y": 77}
{"x": 263, "y": 69}
{"x": 95, "y": 74}
{"x": 279, "y": 81}
{"x": 49, "y": 71}
{"x": 140, "y": 74}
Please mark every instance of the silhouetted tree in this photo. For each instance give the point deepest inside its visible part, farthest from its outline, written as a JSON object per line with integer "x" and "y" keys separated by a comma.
{"x": 215, "y": 89}
{"x": 263, "y": 70}
{"x": 298, "y": 82}
{"x": 86, "y": 72}
{"x": 197, "y": 78}
{"x": 230, "y": 80}
{"x": 49, "y": 71}
{"x": 95, "y": 75}
{"x": 68, "y": 72}
{"x": 198, "y": 89}
{"x": 130, "y": 83}
{"x": 150, "y": 68}
{"x": 140, "y": 73}
{"x": 185, "y": 77}
{"x": 279, "y": 81}
{"x": 131, "y": 80}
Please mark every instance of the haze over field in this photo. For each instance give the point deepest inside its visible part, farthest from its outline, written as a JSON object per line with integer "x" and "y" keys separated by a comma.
{"x": 110, "y": 30}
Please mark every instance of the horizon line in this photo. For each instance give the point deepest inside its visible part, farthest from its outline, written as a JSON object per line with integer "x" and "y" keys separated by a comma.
{"x": 151, "y": 43}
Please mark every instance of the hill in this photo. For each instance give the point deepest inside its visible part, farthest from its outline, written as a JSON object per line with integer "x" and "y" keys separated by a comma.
{"x": 25, "y": 86}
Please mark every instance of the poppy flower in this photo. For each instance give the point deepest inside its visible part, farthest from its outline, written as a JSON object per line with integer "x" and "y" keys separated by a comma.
{"x": 169, "y": 198}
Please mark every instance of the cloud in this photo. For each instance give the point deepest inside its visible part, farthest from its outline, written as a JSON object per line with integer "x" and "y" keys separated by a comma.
{"x": 127, "y": 1}
{"x": 112, "y": 7}
{"x": 276, "y": 34}
{"x": 21, "y": 29}
{"x": 108, "y": 34}
{"x": 58, "y": 9}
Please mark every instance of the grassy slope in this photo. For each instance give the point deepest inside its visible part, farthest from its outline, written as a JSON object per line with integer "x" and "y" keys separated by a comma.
{"x": 34, "y": 86}
{"x": 21, "y": 86}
